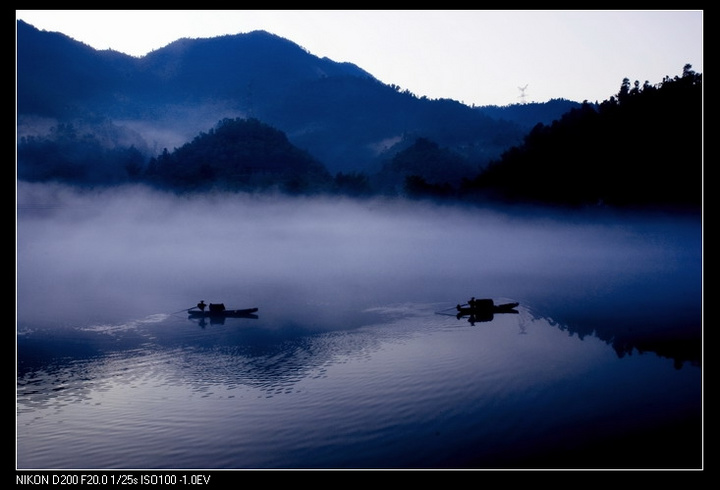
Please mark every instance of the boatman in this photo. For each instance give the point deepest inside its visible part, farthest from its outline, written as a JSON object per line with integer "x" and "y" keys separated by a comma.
{"x": 201, "y": 305}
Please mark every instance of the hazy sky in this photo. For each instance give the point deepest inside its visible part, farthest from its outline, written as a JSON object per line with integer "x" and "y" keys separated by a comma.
{"x": 478, "y": 57}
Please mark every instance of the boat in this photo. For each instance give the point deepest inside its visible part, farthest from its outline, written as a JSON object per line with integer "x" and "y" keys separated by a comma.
{"x": 483, "y": 310}
{"x": 485, "y": 306}
{"x": 218, "y": 310}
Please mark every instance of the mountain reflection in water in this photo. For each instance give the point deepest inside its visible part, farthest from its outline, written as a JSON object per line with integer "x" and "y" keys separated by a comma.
{"x": 503, "y": 393}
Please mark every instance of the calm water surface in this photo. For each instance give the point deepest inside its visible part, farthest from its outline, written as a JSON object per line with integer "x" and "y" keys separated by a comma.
{"x": 356, "y": 358}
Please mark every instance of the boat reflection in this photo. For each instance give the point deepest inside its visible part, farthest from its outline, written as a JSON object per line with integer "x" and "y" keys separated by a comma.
{"x": 204, "y": 321}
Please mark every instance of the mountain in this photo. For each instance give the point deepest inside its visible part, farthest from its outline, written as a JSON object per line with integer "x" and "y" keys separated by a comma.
{"x": 528, "y": 115}
{"x": 292, "y": 121}
{"x": 337, "y": 112}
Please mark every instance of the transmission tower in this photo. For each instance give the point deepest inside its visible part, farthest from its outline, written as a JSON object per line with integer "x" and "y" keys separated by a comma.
{"x": 522, "y": 93}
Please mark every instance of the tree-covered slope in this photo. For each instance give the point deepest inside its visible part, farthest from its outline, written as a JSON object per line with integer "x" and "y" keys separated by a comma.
{"x": 239, "y": 154}
{"x": 643, "y": 147}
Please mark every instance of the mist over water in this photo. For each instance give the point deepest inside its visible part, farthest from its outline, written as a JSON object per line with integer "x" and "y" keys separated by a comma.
{"x": 357, "y": 358}
{"x": 110, "y": 255}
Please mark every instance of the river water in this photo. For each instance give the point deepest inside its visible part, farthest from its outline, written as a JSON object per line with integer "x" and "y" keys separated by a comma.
{"x": 355, "y": 357}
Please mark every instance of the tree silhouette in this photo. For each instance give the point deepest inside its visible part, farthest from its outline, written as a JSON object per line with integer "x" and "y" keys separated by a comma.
{"x": 239, "y": 154}
{"x": 641, "y": 148}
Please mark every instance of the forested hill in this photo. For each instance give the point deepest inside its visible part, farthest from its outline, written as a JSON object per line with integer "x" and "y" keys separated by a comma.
{"x": 239, "y": 154}
{"x": 642, "y": 147}
{"x": 529, "y": 114}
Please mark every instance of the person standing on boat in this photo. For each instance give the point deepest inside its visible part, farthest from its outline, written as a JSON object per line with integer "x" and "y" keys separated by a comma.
{"x": 201, "y": 305}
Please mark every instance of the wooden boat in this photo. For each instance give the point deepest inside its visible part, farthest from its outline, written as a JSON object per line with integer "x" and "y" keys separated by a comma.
{"x": 485, "y": 307}
{"x": 483, "y": 310}
{"x": 222, "y": 313}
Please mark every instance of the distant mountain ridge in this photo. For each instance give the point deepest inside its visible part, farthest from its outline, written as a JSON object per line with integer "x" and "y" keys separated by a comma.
{"x": 337, "y": 112}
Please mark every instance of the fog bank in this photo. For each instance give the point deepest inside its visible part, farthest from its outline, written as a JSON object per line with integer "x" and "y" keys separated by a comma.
{"x": 129, "y": 252}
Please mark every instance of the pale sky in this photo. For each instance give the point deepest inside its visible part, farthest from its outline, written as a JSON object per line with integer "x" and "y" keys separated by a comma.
{"x": 479, "y": 57}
